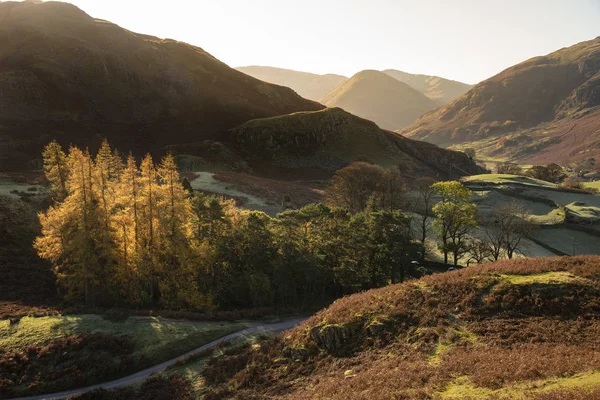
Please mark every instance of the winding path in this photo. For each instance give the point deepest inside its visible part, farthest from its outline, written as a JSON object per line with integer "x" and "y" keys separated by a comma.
{"x": 141, "y": 375}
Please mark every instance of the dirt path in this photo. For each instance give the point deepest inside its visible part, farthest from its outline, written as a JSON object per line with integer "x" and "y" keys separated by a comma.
{"x": 206, "y": 181}
{"x": 142, "y": 375}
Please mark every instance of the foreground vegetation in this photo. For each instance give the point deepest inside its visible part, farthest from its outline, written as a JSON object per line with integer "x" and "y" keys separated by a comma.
{"x": 50, "y": 354}
{"x": 515, "y": 329}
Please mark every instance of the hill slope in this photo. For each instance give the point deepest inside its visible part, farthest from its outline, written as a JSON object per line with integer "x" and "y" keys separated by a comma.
{"x": 440, "y": 90}
{"x": 515, "y": 329}
{"x": 67, "y": 75}
{"x": 307, "y": 85}
{"x": 332, "y": 138}
{"x": 544, "y": 109}
{"x": 380, "y": 98}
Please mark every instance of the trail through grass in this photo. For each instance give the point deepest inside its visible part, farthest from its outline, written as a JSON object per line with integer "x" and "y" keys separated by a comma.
{"x": 158, "y": 339}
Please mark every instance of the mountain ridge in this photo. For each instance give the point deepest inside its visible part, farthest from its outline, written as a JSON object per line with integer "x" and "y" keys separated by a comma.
{"x": 306, "y": 84}
{"x": 438, "y": 89}
{"x": 332, "y": 138}
{"x": 545, "y": 108}
{"x": 70, "y": 77}
{"x": 379, "y": 97}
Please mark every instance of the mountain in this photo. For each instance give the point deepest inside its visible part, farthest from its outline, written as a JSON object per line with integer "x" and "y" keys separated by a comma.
{"x": 307, "y": 85}
{"x": 517, "y": 329}
{"x": 440, "y": 90}
{"x": 546, "y": 109}
{"x": 380, "y": 98}
{"x": 332, "y": 138}
{"x": 66, "y": 75}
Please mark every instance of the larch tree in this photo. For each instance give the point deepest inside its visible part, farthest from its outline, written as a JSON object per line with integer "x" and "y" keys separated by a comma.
{"x": 175, "y": 233}
{"x": 56, "y": 170}
{"x": 148, "y": 220}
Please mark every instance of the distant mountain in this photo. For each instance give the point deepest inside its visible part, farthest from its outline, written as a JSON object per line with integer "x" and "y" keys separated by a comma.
{"x": 546, "y": 109}
{"x": 438, "y": 89}
{"x": 66, "y": 75}
{"x": 307, "y": 85}
{"x": 332, "y": 138}
{"x": 377, "y": 96}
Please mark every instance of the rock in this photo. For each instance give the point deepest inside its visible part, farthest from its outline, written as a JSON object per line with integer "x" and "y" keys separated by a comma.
{"x": 333, "y": 338}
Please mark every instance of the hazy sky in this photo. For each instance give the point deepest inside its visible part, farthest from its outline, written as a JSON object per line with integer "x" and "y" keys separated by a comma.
{"x": 466, "y": 40}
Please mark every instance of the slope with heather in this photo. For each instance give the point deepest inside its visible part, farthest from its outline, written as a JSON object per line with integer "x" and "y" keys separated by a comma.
{"x": 515, "y": 329}
{"x": 380, "y": 98}
{"x": 332, "y": 138}
{"x": 440, "y": 90}
{"x": 307, "y": 85}
{"x": 545, "y": 109}
{"x": 68, "y": 76}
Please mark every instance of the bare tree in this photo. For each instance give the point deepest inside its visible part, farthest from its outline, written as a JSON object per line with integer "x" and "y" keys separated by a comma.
{"x": 494, "y": 236}
{"x": 470, "y": 152}
{"x": 510, "y": 225}
{"x": 423, "y": 209}
{"x": 479, "y": 251}
{"x": 509, "y": 168}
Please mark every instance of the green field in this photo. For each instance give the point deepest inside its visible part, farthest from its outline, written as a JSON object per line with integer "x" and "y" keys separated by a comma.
{"x": 508, "y": 179}
{"x": 592, "y": 185}
{"x": 155, "y": 338}
{"x": 52, "y": 354}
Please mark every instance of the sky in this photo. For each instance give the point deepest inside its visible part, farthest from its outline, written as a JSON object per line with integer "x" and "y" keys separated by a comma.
{"x": 464, "y": 40}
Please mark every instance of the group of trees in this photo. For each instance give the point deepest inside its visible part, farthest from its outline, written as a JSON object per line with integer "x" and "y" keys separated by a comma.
{"x": 446, "y": 209}
{"x": 117, "y": 230}
{"x": 119, "y": 233}
{"x": 550, "y": 173}
{"x": 122, "y": 233}
{"x": 302, "y": 256}
{"x": 361, "y": 183}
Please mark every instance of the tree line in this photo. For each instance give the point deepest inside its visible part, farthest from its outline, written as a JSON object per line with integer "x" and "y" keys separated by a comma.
{"x": 119, "y": 233}
{"x": 123, "y": 233}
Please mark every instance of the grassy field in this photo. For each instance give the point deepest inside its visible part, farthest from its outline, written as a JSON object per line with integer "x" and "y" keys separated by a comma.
{"x": 570, "y": 241}
{"x": 156, "y": 338}
{"x": 508, "y": 179}
{"x": 592, "y": 185}
{"x": 47, "y": 354}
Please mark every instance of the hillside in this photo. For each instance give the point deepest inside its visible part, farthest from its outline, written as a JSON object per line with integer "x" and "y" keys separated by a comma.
{"x": 307, "y": 85}
{"x": 519, "y": 329}
{"x": 545, "y": 109}
{"x": 380, "y": 98}
{"x": 332, "y": 138}
{"x": 440, "y": 90}
{"x": 68, "y": 76}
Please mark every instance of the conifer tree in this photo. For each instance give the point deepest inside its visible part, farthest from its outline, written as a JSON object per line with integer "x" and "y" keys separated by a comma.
{"x": 56, "y": 170}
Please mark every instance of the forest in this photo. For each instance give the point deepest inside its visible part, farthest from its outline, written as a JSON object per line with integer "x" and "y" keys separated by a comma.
{"x": 122, "y": 234}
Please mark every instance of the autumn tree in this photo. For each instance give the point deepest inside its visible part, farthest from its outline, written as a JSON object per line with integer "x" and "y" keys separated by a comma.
{"x": 120, "y": 231}
{"x": 72, "y": 230}
{"x": 56, "y": 170}
{"x": 353, "y": 186}
{"x": 175, "y": 236}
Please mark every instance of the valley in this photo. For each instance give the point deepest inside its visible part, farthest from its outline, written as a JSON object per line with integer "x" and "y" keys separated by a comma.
{"x": 172, "y": 227}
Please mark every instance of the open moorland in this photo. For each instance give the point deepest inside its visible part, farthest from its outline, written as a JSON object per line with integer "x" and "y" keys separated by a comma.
{"x": 518, "y": 329}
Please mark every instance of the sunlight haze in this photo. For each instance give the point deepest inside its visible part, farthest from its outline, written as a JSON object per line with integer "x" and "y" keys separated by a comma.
{"x": 466, "y": 40}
